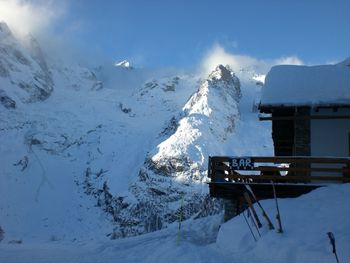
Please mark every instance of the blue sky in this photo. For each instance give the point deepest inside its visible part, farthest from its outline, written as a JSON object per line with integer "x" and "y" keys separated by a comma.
{"x": 179, "y": 33}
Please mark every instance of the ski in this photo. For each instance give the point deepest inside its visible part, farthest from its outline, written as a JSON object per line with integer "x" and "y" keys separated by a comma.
{"x": 251, "y": 230}
{"x": 249, "y": 214}
{"x": 249, "y": 189}
{"x": 251, "y": 207}
{"x": 278, "y": 215}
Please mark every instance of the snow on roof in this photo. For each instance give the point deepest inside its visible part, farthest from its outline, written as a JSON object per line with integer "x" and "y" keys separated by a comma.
{"x": 288, "y": 85}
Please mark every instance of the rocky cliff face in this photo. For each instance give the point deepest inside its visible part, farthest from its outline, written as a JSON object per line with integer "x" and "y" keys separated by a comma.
{"x": 24, "y": 73}
{"x": 172, "y": 179}
{"x": 208, "y": 118}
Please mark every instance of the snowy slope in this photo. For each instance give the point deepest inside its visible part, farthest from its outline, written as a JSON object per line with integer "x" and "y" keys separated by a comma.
{"x": 46, "y": 147}
{"x": 54, "y": 152}
{"x": 305, "y": 220}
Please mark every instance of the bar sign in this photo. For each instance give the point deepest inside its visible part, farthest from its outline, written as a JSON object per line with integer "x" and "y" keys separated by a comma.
{"x": 242, "y": 164}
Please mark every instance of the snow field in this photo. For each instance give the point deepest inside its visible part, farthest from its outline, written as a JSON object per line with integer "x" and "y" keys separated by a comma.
{"x": 306, "y": 222}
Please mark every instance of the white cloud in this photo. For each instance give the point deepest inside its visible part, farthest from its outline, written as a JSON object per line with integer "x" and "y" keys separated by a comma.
{"x": 218, "y": 55}
{"x": 35, "y": 17}
{"x": 292, "y": 60}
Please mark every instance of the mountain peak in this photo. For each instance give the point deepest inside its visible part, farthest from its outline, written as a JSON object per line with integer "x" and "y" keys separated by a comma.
{"x": 224, "y": 77}
{"x": 4, "y": 30}
{"x": 123, "y": 64}
{"x": 221, "y": 72}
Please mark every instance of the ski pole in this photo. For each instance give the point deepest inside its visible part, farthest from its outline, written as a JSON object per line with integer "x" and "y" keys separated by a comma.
{"x": 250, "y": 190}
{"x": 278, "y": 216}
{"x": 250, "y": 205}
{"x": 180, "y": 220}
{"x": 253, "y": 221}
{"x": 251, "y": 231}
{"x": 332, "y": 240}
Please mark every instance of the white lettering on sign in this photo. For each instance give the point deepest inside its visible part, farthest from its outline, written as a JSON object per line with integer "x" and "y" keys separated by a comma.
{"x": 242, "y": 164}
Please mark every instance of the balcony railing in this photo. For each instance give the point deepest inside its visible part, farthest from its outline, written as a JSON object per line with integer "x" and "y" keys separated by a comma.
{"x": 286, "y": 169}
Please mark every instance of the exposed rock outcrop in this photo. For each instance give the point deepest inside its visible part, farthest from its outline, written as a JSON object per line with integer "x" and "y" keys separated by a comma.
{"x": 172, "y": 179}
{"x": 24, "y": 73}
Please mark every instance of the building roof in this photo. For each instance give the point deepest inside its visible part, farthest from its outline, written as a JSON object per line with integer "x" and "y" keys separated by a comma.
{"x": 290, "y": 86}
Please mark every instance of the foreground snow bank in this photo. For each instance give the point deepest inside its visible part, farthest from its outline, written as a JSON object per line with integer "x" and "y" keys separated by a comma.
{"x": 194, "y": 244}
{"x": 306, "y": 221}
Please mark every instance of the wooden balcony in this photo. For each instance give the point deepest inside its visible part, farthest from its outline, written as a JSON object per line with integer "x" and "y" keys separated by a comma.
{"x": 291, "y": 175}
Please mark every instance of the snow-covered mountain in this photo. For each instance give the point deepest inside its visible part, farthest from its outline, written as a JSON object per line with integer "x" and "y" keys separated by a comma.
{"x": 109, "y": 152}
{"x": 172, "y": 178}
{"x": 25, "y": 76}
{"x": 124, "y": 64}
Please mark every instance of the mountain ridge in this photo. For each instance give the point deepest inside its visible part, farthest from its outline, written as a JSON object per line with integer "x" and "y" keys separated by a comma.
{"x": 113, "y": 150}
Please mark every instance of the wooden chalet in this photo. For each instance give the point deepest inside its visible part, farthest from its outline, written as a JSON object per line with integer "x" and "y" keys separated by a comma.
{"x": 309, "y": 108}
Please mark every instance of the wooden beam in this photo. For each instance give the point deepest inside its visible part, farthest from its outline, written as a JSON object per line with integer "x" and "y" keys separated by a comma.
{"x": 296, "y": 169}
{"x": 282, "y": 107}
{"x": 312, "y": 117}
{"x": 284, "y": 159}
{"x": 257, "y": 178}
{"x": 287, "y": 169}
{"x": 220, "y": 170}
{"x": 301, "y": 159}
